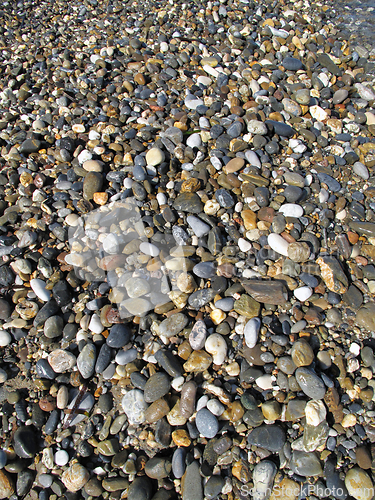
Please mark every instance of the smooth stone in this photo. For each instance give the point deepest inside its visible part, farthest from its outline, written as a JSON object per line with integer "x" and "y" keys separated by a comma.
{"x": 104, "y": 358}
{"x": 158, "y": 468}
{"x": 213, "y": 487}
{"x": 5, "y": 338}
{"x": 292, "y": 64}
{"x": 269, "y": 437}
{"x": 305, "y": 464}
{"x": 191, "y": 483}
{"x": 303, "y": 293}
{"x": 198, "y": 226}
{"x": 251, "y": 332}
{"x": 174, "y": 134}
{"x": 202, "y": 297}
{"x": 7, "y": 485}
{"x": 149, "y": 249}
{"x": 280, "y": 128}
{"x": 278, "y": 244}
{"x": 263, "y": 476}
{"x": 206, "y": 423}
{"x": 86, "y": 361}
{"x": 234, "y": 165}
{"x": 154, "y": 156}
{"x": 134, "y": 406}
{"x": 217, "y": 347}
{"x": 44, "y": 370}
{"x": 75, "y": 477}
{"x": 197, "y": 336}
{"x": 119, "y": 336}
{"x": 267, "y": 292}
{"x": 53, "y": 327}
{"x": 24, "y": 442}
{"x": 167, "y": 361}
{"x": 256, "y": 127}
{"x": 113, "y": 484}
{"x": 92, "y": 183}
{"x": 205, "y": 270}
{"x": 156, "y": 387}
{"x": 315, "y": 437}
{"x": 310, "y": 383}
{"x": 48, "y": 310}
{"x": 61, "y": 458}
{"x": 39, "y": 288}
{"x": 361, "y": 170}
{"x": 225, "y": 304}
{"x": 178, "y": 462}
{"x": 5, "y": 309}
{"x": 224, "y": 198}
{"x": 140, "y": 489}
{"x": 61, "y": 360}
{"x": 25, "y": 480}
{"x": 339, "y": 96}
{"x": 173, "y": 325}
{"x": 291, "y": 210}
{"x": 333, "y": 184}
{"x": 188, "y": 202}
{"x": 299, "y": 251}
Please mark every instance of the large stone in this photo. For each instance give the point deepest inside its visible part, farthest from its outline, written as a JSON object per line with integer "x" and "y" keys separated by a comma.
{"x": 269, "y": 437}
{"x": 266, "y": 291}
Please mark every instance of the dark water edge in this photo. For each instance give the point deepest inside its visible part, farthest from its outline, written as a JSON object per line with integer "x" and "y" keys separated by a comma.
{"x": 356, "y": 19}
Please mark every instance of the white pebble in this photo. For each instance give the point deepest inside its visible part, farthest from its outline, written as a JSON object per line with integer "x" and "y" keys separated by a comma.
{"x": 303, "y": 293}
{"x": 215, "y": 407}
{"x": 177, "y": 383}
{"x": 162, "y": 199}
{"x": 39, "y": 288}
{"x": 194, "y": 141}
{"x": 291, "y": 210}
{"x": 3, "y": 376}
{"x": 361, "y": 170}
{"x": 95, "y": 324}
{"x": 84, "y": 156}
{"x": 216, "y": 345}
{"x": 202, "y": 402}
{"x": 61, "y": 458}
{"x": 315, "y": 412}
{"x": 149, "y": 249}
{"x": 265, "y": 382}
{"x": 244, "y": 245}
{"x": 355, "y": 349}
{"x": 128, "y": 182}
{"x": 278, "y": 244}
{"x": 251, "y": 332}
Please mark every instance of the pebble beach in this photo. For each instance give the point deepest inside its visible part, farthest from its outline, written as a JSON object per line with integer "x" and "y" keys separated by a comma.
{"x": 187, "y": 250}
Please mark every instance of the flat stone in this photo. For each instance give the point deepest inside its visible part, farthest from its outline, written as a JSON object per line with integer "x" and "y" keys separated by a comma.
{"x": 305, "y": 464}
{"x": 191, "y": 483}
{"x": 173, "y": 325}
{"x": 292, "y": 64}
{"x": 24, "y": 442}
{"x": 310, "y": 383}
{"x": 188, "y": 202}
{"x": 156, "y": 387}
{"x": 269, "y": 437}
{"x": 247, "y": 306}
{"x": 266, "y": 291}
{"x": 86, "y": 361}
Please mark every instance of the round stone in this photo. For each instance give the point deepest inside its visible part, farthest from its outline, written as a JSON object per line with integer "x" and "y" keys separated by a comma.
{"x": 156, "y": 387}
{"x": 75, "y": 477}
{"x": 154, "y": 156}
{"x": 206, "y": 423}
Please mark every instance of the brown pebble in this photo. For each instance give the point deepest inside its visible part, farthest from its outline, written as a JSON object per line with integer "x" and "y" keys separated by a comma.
{"x": 363, "y": 457}
{"x": 47, "y": 403}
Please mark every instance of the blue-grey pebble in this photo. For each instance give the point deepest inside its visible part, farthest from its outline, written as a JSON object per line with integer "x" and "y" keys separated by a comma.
{"x": 206, "y": 422}
{"x": 119, "y": 336}
{"x": 178, "y": 463}
{"x": 104, "y": 358}
{"x": 225, "y": 304}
